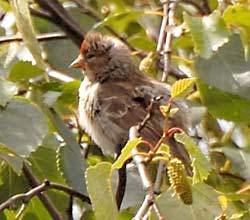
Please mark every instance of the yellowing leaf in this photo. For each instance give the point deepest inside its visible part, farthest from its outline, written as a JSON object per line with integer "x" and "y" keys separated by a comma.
{"x": 126, "y": 153}
{"x": 182, "y": 87}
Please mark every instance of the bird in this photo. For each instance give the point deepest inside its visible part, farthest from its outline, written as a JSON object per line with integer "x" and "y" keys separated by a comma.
{"x": 115, "y": 95}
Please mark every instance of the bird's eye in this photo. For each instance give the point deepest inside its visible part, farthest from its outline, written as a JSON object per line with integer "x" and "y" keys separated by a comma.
{"x": 89, "y": 56}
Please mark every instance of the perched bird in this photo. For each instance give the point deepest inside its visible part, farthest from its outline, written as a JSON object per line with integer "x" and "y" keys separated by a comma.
{"x": 114, "y": 96}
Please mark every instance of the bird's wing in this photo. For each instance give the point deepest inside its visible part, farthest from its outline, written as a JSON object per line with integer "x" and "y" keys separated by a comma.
{"x": 125, "y": 105}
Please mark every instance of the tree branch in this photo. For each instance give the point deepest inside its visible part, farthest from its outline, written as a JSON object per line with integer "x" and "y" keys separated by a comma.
{"x": 170, "y": 14}
{"x": 62, "y": 19}
{"x": 39, "y": 37}
{"x": 33, "y": 182}
{"x": 37, "y": 190}
{"x": 145, "y": 177}
{"x": 24, "y": 197}
{"x": 89, "y": 11}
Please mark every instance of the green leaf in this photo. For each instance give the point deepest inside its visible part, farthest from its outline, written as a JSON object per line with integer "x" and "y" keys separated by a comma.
{"x": 12, "y": 184}
{"x": 205, "y": 204}
{"x": 36, "y": 210}
{"x": 126, "y": 153}
{"x": 43, "y": 165}
{"x": 100, "y": 191}
{"x": 22, "y": 127}
{"x": 227, "y": 70}
{"x": 7, "y": 91}
{"x": 240, "y": 161}
{"x": 182, "y": 87}
{"x": 70, "y": 92}
{"x": 23, "y": 71}
{"x": 24, "y": 24}
{"x": 11, "y": 159}
{"x": 142, "y": 42}
{"x": 69, "y": 162}
{"x": 223, "y": 104}
{"x": 200, "y": 164}
{"x": 120, "y": 21}
{"x": 69, "y": 153}
{"x": 237, "y": 16}
{"x": 208, "y": 32}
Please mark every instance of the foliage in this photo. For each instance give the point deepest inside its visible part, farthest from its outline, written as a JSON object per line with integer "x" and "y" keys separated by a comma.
{"x": 38, "y": 107}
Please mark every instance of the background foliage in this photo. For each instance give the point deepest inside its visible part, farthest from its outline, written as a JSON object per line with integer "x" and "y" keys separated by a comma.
{"x": 39, "y": 133}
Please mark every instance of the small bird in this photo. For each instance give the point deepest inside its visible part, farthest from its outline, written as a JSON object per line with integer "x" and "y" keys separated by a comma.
{"x": 115, "y": 95}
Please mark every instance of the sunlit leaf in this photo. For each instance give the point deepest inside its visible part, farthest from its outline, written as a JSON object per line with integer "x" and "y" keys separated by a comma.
{"x": 208, "y": 32}
{"x": 182, "y": 87}
{"x": 126, "y": 153}
{"x": 200, "y": 164}
{"x": 7, "y": 91}
{"x": 23, "y": 71}
{"x": 24, "y": 24}
{"x": 100, "y": 191}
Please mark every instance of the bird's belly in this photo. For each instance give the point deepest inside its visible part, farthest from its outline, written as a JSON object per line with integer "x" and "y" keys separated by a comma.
{"x": 90, "y": 123}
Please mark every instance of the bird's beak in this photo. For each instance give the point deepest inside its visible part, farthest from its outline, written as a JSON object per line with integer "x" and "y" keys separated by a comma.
{"x": 78, "y": 62}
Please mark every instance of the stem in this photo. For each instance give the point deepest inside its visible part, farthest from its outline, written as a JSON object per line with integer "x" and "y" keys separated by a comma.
{"x": 169, "y": 37}
{"x": 39, "y": 37}
{"x": 33, "y": 182}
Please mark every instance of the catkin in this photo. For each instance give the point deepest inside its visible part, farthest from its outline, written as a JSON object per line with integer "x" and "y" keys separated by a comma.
{"x": 179, "y": 182}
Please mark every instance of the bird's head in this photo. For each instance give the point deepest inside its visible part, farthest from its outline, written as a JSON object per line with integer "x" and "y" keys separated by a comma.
{"x": 102, "y": 57}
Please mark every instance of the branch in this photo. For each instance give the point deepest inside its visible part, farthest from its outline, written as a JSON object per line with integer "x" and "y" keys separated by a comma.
{"x": 69, "y": 191}
{"x": 89, "y": 11}
{"x": 33, "y": 182}
{"x": 170, "y": 14}
{"x": 39, "y": 37}
{"x": 62, "y": 19}
{"x": 37, "y": 190}
{"x": 24, "y": 197}
{"x": 145, "y": 177}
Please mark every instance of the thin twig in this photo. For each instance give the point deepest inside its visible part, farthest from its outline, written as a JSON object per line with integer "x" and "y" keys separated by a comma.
{"x": 62, "y": 19}
{"x": 40, "y": 13}
{"x": 93, "y": 14}
{"x": 169, "y": 37}
{"x": 163, "y": 28}
{"x": 37, "y": 190}
{"x": 158, "y": 179}
{"x": 39, "y": 37}
{"x": 70, "y": 208}
{"x": 24, "y": 197}
{"x": 33, "y": 182}
{"x": 205, "y": 6}
{"x": 149, "y": 112}
{"x": 145, "y": 177}
{"x": 69, "y": 191}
